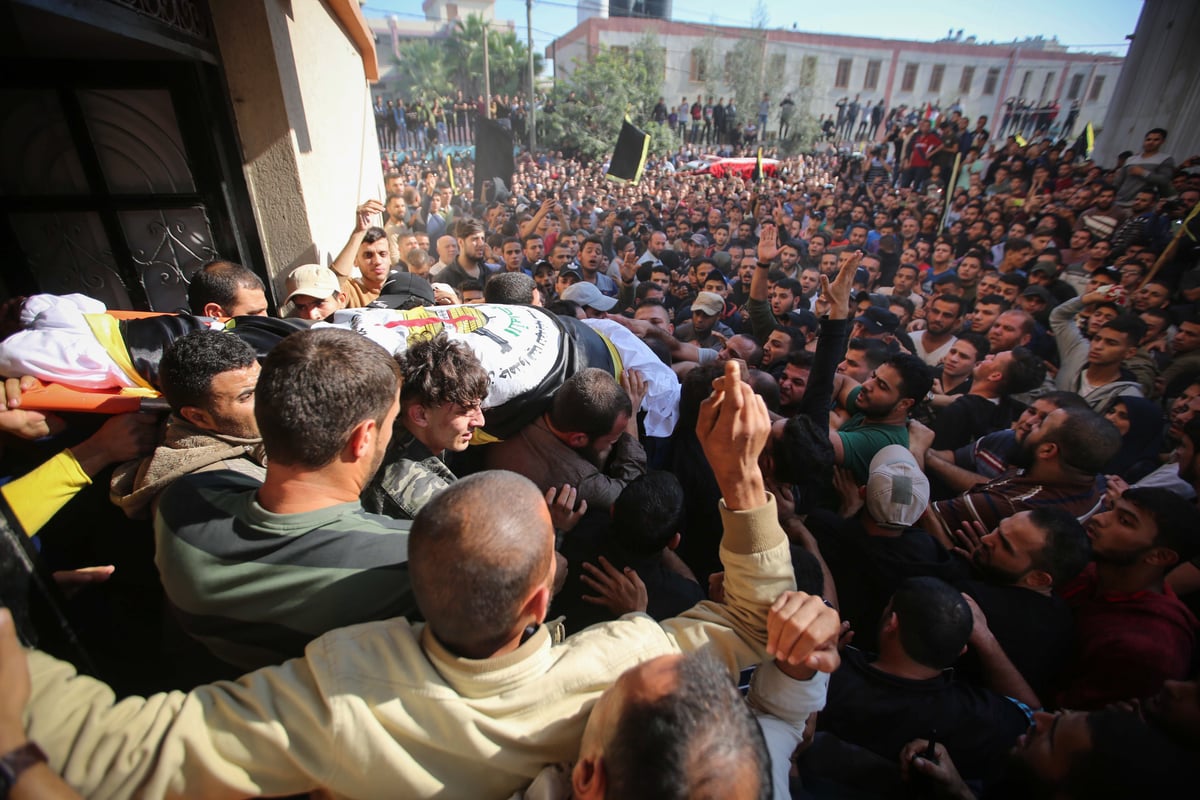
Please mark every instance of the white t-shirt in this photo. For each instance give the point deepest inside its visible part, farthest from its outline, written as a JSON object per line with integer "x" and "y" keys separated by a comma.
{"x": 934, "y": 357}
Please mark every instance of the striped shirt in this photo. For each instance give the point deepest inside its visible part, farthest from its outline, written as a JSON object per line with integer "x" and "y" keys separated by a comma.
{"x": 1012, "y": 493}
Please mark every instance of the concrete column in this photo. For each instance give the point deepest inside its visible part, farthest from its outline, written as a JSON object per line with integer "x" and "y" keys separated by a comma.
{"x": 301, "y": 103}
{"x": 1157, "y": 85}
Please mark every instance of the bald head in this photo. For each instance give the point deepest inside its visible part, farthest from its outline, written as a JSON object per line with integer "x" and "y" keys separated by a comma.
{"x": 476, "y": 553}
{"x": 447, "y": 249}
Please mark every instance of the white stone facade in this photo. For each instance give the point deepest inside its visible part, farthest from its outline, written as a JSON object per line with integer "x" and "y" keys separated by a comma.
{"x": 877, "y": 67}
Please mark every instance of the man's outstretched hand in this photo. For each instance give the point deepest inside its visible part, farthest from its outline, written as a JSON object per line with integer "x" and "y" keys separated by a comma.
{"x": 622, "y": 592}
{"x": 733, "y": 428}
{"x": 18, "y": 421}
{"x": 768, "y": 244}
{"x": 837, "y": 292}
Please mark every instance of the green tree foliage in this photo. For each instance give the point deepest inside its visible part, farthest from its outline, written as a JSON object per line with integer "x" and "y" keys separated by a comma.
{"x": 591, "y": 103}
{"x": 749, "y": 74}
{"x": 508, "y": 59}
{"x": 428, "y": 69}
{"x": 421, "y": 71}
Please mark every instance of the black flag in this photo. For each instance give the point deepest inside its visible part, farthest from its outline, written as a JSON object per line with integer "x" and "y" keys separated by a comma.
{"x": 629, "y": 157}
{"x": 1084, "y": 142}
{"x": 494, "y": 165}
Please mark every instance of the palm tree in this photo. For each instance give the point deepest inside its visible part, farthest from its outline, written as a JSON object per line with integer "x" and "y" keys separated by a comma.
{"x": 421, "y": 70}
{"x": 508, "y": 58}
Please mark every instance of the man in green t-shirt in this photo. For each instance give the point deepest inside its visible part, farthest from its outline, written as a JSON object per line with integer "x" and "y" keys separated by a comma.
{"x": 879, "y": 411}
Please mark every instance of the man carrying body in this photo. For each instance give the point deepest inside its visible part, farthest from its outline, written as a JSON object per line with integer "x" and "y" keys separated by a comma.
{"x": 705, "y": 327}
{"x": 588, "y": 439}
{"x": 308, "y": 558}
{"x": 483, "y": 661}
{"x": 314, "y": 292}
{"x": 209, "y": 379}
{"x": 223, "y": 290}
{"x": 443, "y": 387}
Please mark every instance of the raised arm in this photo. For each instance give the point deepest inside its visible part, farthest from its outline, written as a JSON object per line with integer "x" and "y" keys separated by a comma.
{"x": 732, "y": 428}
{"x": 1002, "y": 677}
{"x": 680, "y": 351}
{"x": 344, "y": 263}
{"x": 941, "y": 463}
{"x": 823, "y": 383}
{"x": 768, "y": 251}
{"x": 531, "y": 225}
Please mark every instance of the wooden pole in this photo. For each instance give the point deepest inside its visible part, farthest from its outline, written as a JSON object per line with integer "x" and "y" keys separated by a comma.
{"x": 1169, "y": 251}
{"x": 532, "y": 90}
{"x": 487, "y": 75}
{"x": 948, "y": 195}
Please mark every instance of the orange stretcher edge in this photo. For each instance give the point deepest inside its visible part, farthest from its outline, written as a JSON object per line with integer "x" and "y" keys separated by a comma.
{"x": 57, "y": 397}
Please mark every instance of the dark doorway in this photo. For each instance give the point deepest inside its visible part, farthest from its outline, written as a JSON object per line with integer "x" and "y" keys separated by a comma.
{"x": 118, "y": 178}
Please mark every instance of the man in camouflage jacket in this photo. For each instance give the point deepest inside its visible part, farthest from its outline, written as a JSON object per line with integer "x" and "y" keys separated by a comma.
{"x": 440, "y": 408}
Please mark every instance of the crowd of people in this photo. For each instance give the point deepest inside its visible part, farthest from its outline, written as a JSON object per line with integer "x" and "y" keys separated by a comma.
{"x": 923, "y": 447}
{"x": 420, "y": 128}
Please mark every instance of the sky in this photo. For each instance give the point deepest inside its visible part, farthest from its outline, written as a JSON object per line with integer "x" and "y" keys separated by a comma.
{"x": 1093, "y": 25}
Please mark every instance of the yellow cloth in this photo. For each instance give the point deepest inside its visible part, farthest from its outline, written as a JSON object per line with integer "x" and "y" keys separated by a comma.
{"x": 38, "y": 495}
{"x": 107, "y": 331}
{"x": 618, "y": 365}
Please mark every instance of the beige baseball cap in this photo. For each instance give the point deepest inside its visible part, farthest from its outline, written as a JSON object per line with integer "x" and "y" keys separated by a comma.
{"x": 312, "y": 280}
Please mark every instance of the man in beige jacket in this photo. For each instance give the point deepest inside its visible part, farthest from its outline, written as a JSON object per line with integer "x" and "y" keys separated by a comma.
{"x": 471, "y": 703}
